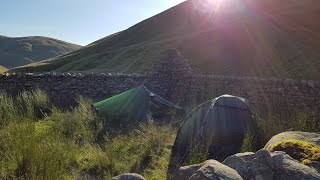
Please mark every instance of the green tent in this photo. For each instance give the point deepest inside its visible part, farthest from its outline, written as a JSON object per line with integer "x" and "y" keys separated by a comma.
{"x": 135, "y": 105}
{"x": 218, "y": 126}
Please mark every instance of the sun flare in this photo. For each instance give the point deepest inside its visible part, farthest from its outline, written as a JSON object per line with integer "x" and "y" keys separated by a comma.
{"x": 207, "y": 6}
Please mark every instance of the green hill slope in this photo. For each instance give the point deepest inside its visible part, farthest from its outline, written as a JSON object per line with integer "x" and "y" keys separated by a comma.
{"x": 241, "y": 37}
{"x": 23, "y": 50}
{"x": 2, "y": 69}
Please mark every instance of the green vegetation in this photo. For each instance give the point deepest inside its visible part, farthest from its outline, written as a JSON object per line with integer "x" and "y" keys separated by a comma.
{"x": 3, "y": 69}
{"x": 197, "y": 155}
{"x": 278, "y": 119}
{"x": 247, "y": 145}
{"x": 303, "y": 151}
{"x": 242, "y": 42}
{"x": 65, "y": 144}
{"x": 41, "y": 141}
{"x": 24, "y": 50}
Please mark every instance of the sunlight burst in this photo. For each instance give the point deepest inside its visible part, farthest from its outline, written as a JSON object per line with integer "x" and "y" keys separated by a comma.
{"x": 207, "y": 6}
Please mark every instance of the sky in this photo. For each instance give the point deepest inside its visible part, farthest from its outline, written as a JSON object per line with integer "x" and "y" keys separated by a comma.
{"x": 76, "y": 21}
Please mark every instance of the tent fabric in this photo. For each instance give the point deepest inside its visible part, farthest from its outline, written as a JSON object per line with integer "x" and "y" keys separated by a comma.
{"x": 219, "y": 125}
{"x": 135, "y": 105}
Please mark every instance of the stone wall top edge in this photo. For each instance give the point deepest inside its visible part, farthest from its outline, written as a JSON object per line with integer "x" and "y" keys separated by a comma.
{"x": 261, "y": 79}
{"x": 46, "y": 75}
{"x": 290, "y": 82}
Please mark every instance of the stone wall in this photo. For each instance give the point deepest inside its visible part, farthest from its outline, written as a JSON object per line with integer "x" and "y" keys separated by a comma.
{"x": 64, "y": 88}
{"x": 172, "y": 78}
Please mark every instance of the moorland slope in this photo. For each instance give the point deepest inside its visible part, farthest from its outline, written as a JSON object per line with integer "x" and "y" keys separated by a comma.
{"x": 237, "y": 37}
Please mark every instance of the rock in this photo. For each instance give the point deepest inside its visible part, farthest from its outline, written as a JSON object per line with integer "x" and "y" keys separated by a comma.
{"x": 285, "y": 167}
{"x": 255, "y": 166}
{"x": 210, "y": 169}
{"x": 187, "y": 171}
{"x": 304, "y": 136}
{"x": 315, "y": 165}
{"x": 129, "y": 176}
{"x": 311, "y": 84}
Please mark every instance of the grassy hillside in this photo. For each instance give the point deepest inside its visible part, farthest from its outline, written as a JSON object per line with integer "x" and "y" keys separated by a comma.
{"x": 23, "y": 50}
{"x": 247, "y": 37}
{"x": 2, "y": 69}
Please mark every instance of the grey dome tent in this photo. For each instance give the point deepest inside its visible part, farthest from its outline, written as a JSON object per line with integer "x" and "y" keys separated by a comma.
{"x": 134, "y": 105}
{"x": 218, "y": 125}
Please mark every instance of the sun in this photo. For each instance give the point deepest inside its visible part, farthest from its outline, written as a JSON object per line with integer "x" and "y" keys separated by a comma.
{"x": 207, "y": 6}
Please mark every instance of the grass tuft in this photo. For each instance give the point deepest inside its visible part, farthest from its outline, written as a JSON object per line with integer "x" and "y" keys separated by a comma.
{"x": 248, "y": 145}
{"x": 273, "y": 121}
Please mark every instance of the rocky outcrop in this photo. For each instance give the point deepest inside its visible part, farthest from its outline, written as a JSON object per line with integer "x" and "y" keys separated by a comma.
{"x": 129, "y": 176}
{"x": 261, "y": 165}
{"x": 285, "y": 167}
{"x": 304, "y": 136}
{"x": 251, "y": 165}
{"x": 210, "y": 169}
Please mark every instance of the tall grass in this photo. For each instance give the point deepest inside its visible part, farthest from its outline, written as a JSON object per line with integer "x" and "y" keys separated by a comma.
{"x": 146, "y": 150}
{"x": 40, "y": 141}
{"x": 27, "y": 155}
{"x": 31, "y": 105}
{"x": 275, "y": 120}
{"x": 8, "y": 111}
{"x": 80, "y": 125}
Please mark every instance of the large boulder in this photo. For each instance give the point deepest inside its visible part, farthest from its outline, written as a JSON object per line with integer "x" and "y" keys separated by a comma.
{"x": 209, "y": 170}
{"x": 285, "y": 167}
{"x": 264, "y": 165}
{"x": 129, "y": 176}
{"x": 255, "y": 166}
{"x": 304, "y": 136}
